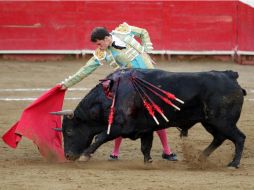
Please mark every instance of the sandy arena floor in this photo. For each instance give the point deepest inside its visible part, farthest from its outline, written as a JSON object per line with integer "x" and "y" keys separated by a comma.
{"x": 24, "y": 168}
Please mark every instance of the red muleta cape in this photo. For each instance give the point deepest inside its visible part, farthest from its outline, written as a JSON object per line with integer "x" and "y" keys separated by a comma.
{"x": 36, "y": 124}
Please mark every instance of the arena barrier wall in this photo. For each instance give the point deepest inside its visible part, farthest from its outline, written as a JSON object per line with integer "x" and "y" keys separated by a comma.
{"x": 176, "y": 27}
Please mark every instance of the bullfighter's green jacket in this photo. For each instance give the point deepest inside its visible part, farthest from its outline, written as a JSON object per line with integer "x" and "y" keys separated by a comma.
{"x": 133, "y": 55}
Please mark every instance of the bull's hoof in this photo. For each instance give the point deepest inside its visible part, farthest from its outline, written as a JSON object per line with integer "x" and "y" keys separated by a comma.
{"x": 202, "y": 157}
{"x": 84, "y": 158}
{"x": 148, "y": 161}
{"x": 183, "y": 133}
{"x": 233, "y": 165}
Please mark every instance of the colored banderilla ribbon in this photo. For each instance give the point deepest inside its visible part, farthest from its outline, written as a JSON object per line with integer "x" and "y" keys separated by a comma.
{"x": 169, "y": 95}
{"x": 145, "y": 99}
{"x": 111, "y": 114}
{"x": 112, "y": 108}
{"x": 139, "y": 84}
{"x": 167, "y": 101}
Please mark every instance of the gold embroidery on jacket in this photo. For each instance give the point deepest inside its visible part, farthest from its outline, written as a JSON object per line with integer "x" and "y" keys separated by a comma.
{"x": 100, "y": 54}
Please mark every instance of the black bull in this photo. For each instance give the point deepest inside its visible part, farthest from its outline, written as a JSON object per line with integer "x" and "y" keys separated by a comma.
{"x": 213, "y": 99}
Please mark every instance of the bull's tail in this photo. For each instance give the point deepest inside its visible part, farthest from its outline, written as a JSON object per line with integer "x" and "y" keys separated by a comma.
{"x": 234, "y": 75}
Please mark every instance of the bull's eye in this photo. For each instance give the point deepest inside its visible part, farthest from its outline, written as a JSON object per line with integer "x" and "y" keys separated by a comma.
{"x": 69, "y": 132}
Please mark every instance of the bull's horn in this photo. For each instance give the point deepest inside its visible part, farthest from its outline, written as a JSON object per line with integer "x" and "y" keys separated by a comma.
{"x": 58, "y": 129}
{"x": 64, "y": 112}
{"x": 68, "y": 113}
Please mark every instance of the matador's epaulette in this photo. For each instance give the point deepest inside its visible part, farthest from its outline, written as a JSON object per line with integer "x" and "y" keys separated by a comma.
{"x": 123, "y": 29}
{"x": 100, "y": 54}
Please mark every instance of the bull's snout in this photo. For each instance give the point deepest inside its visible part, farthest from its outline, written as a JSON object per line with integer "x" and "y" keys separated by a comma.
{"x": 71, "y": 156}
{"x": 67, "y": 156}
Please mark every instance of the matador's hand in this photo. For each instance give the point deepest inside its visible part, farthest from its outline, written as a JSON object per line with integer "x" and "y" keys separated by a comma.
{"x": 63, "y": 87}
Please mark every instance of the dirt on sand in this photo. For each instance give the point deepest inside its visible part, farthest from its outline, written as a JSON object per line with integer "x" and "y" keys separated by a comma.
{"x": 24, "y": 168}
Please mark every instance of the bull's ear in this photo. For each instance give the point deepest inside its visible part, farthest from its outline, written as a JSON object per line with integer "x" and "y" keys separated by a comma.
{"x": 68, "y": 113}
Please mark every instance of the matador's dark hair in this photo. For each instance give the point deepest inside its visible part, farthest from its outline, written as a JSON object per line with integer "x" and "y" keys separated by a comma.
{"x": 99, "y": 33}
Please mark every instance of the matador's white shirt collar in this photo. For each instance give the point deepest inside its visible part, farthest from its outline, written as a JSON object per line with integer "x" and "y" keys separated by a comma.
{"x": 118, "y": 41}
